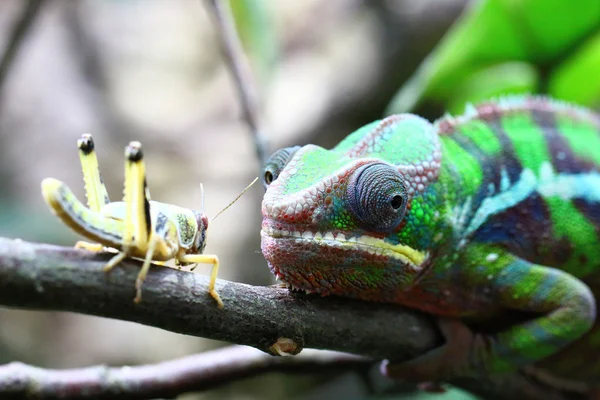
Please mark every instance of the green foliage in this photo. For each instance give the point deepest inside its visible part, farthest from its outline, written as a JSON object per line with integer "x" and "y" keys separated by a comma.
{"x": 512, "y": 46}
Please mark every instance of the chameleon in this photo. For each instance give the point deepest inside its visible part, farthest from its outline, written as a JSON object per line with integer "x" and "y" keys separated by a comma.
{"x": 489, "y": 221}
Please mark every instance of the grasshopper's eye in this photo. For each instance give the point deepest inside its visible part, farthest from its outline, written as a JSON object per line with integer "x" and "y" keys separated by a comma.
{"x": 376, "y": 194}
{"x": 276, "y": 163}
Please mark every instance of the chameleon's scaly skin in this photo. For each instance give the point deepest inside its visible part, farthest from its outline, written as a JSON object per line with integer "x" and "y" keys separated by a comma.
{"x": 496, "y": 221}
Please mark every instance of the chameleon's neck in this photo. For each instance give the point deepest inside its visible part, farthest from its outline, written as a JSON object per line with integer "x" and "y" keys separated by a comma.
{"x": 463, "y": 185}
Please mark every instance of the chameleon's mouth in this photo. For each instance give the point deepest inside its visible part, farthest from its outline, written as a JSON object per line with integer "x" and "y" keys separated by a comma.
{"x": 407, "y": 256}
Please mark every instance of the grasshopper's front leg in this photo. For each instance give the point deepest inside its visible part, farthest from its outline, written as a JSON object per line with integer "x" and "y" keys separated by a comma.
{"x": 206, "y": 259}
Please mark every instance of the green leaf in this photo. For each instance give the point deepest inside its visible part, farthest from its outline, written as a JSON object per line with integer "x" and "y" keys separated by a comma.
{"x": 490, "y": 33}
{"x": 578, "y": 78}
{"x": 494, "y": 81}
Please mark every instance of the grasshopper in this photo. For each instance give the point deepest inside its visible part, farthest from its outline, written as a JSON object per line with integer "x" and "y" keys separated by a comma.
{"x": 136, "y": 226}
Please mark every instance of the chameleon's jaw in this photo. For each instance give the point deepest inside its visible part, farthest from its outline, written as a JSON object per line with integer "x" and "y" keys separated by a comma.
{"x": 377, "y": 247}
{"x": 331, "y": 263}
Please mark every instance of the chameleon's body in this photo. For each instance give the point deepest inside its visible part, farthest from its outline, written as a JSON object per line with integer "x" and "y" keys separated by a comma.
{"x": 492, "y": 217}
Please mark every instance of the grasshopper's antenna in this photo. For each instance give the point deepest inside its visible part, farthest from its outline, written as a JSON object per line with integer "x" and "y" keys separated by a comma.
{"x": 201, "y": 198}
{"x": 234, "y": 200}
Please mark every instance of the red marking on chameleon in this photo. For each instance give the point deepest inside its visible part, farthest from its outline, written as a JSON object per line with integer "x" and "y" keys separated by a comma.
{"x": 489, "y": 111}
{"x": 400, "y": 226}
{"x": 446, "y": 126}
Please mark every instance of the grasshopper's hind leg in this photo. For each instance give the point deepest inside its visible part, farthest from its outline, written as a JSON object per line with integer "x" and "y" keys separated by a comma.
{"x": 137, "y": 203}
{"x": 95, "y": 191}
{"x": 206, "y": 259}
{"x": 138, "y": 225}
{"x": 137, "y": 206}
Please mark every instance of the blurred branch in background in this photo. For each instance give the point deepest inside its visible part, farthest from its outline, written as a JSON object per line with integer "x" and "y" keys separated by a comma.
{"x": 168, "y": 379}
{"x": 272, "y": 319}
{"x": 240, "y": 69}
{"x": 18, "y": 34}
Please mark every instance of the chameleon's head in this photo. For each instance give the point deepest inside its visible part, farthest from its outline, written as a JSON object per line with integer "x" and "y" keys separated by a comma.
{"x": 353, "y": 220}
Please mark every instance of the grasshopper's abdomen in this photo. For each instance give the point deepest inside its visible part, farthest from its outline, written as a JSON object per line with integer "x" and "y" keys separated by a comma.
{"x": 78, "y": 217}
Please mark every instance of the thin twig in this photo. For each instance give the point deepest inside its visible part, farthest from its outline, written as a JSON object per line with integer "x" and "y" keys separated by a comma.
{"x": 240, "y": 69}
{"x": 17, "y": 36}
{"x": 46, "y": 277}
{"x": 166, "y": 379}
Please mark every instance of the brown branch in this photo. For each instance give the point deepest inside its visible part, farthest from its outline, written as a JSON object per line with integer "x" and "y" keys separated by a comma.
{"x": 18, "y": 34}
{"x": 166, "y": 379}
{"x": 47, "y": 277}
{"x": 240, "y": 69}
{"x": 60, "y": 278}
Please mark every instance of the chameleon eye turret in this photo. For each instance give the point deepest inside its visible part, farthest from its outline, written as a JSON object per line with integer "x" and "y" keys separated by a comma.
{"x": 377, "y": 195}
{"x": 276, "y": 162}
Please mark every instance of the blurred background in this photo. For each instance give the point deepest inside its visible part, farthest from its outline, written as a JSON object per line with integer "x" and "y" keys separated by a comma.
{"x": 152, "y": 70}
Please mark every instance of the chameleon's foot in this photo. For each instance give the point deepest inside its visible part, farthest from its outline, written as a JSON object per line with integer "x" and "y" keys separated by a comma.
{"x": 95, "y": 247}
{"x": 452, "y": 359}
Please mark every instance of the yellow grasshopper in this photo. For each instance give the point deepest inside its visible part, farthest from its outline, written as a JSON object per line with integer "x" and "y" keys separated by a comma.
{"x": 136, "y": 226}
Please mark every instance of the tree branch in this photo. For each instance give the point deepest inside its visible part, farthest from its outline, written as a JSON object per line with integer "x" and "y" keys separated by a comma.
{"x": 46, "y": 277}
{"x": 168, "y": 379}
{"x": 236, "y": 60}
{"x": 50, "y": 277}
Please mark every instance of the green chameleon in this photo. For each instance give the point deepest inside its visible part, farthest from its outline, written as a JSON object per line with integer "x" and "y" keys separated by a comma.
{"x": 489, "y": 220}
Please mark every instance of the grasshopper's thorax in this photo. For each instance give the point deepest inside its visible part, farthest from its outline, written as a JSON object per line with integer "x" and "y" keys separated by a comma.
{"x": 190, "y": 225}
{"x": 359, "y": 220}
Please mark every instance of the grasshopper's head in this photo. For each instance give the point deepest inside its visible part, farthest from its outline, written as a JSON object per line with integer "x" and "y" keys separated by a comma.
{"x": 357, "y": 220}
{"x": 200, "y": 239}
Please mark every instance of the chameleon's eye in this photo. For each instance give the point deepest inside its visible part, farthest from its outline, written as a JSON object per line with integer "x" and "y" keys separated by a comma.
{"x": 377, "y": 197}
{"x": 268, "y": 178}
{"x": 276, "y": 163}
